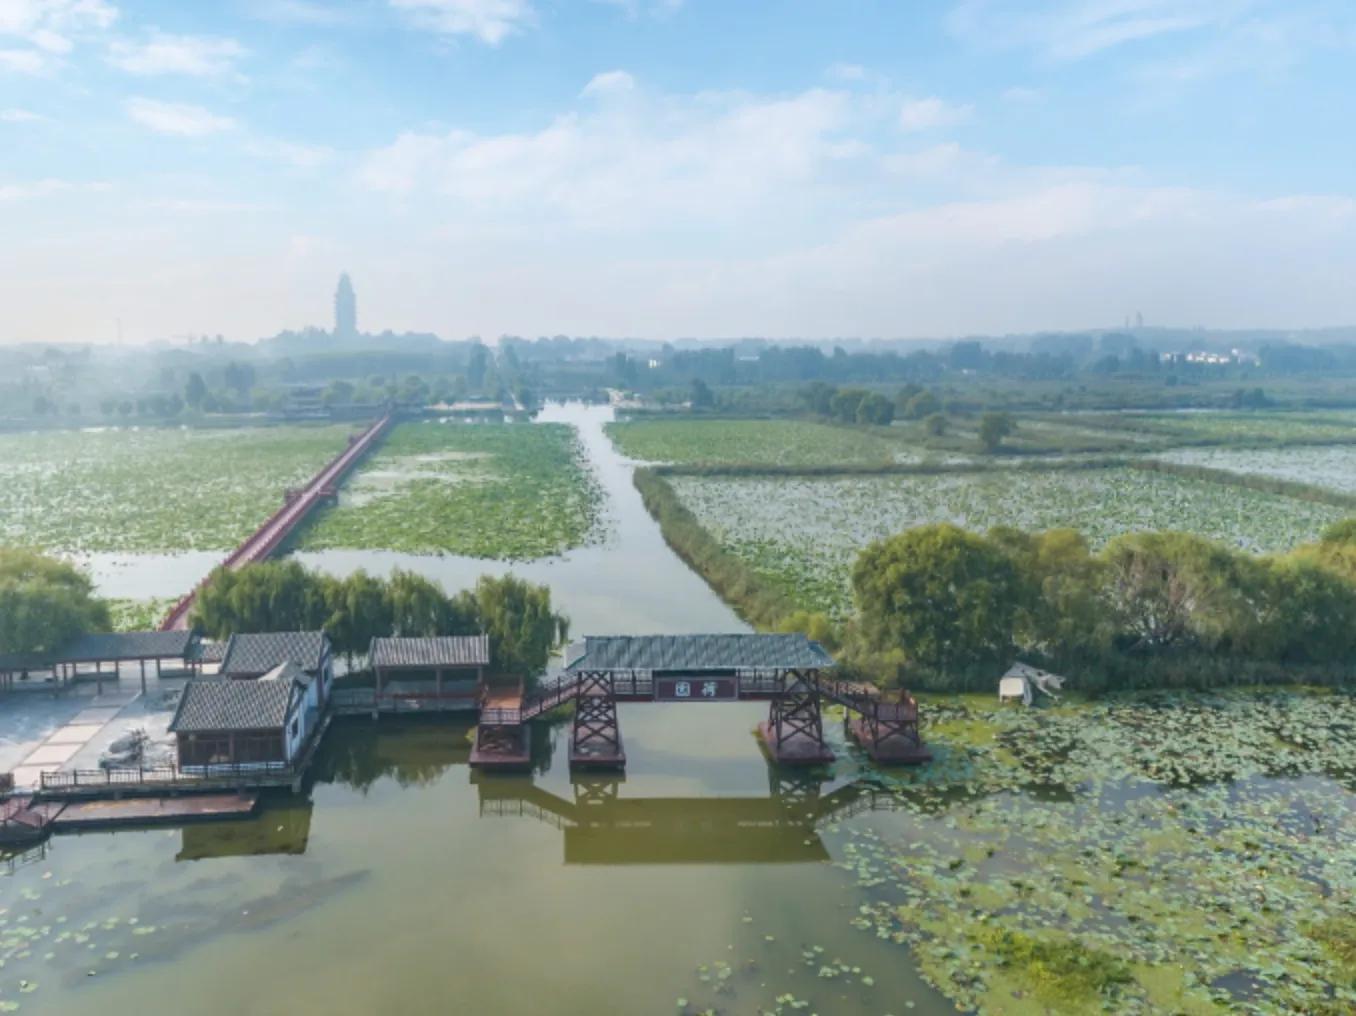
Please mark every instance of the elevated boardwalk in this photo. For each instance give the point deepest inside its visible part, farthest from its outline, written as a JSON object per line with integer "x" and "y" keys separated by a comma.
{"x": 278, "y": 526}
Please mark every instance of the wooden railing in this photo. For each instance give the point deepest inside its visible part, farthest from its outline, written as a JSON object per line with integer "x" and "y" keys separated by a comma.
{"x": 159, "y": 777}
{"x": 276, "y": 528}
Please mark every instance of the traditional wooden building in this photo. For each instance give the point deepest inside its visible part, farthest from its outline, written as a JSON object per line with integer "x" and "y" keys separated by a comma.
{"x": 264, "y": 722}
{"x": 444, "y": 672}
{"x": 250, "y": 656}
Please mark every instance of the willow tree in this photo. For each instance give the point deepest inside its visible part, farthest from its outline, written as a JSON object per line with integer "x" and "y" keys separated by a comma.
{"x": 45, "y": 603}
{"x": 944, "y": 597}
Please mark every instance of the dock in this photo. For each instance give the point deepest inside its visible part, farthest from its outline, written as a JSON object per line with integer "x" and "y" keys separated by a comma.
{"x": 147, "y": 811}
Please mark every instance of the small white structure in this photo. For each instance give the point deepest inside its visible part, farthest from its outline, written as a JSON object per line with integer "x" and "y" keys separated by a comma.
{"x": 1019, "y": 680}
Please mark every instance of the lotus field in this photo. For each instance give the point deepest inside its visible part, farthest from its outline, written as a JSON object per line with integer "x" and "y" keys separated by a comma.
{"x": 1230, "y": 428}
{"x": 510, "y": 491}
{"x": 802, "y": 534}
{"x": 767, "y": 442}
{"x": 1183, "y": 853}
{"x": 1331, "y": 467}
{"x": 152, "y": 490}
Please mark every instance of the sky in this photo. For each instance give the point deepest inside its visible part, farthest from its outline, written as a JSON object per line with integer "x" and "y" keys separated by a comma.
{"x": 674, "y": 168}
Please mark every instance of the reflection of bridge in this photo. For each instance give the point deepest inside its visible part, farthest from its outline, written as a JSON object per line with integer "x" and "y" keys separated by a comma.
{"x": 602, "y": 827}
{"x": 787, "y": 670}
{"x": 296, "y": 506}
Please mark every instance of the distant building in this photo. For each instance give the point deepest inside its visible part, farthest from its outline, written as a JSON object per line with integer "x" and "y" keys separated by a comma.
{"x": 345, "y": 307}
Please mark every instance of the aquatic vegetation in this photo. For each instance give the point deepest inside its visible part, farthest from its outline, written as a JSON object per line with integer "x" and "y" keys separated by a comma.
{"x": 152, "y": 490}
{"x": 1230, "y": 427}
{"x": 1168, "y": 852}
{"x": 503, "y": 491}
{"x": 800, "y": 534}
{"x": 138, "y": 615}
{"x": 766, "y": 442}
{"x": 1062, "y": 972}
{"x": 1331, "y": 467}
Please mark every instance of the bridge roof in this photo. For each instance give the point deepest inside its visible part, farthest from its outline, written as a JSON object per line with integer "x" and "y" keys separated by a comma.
{"x": 695, "y": 653}
{"x": 440, "y": 651}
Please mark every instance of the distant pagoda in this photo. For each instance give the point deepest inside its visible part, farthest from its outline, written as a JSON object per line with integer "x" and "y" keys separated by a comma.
{"x": 345, "y": 308}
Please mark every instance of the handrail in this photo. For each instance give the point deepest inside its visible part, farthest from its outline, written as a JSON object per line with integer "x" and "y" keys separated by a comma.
{"x": 266, "y": 538}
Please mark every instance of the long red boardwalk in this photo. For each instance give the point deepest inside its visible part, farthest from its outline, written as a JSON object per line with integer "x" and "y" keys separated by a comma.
{"x": 276, "y": 528}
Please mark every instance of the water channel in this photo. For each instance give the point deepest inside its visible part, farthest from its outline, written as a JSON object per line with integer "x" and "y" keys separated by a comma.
{"x": 402, "y": 882}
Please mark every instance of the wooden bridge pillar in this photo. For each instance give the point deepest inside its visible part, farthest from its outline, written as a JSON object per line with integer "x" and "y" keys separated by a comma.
{"x": 794, "y": 731}
{"x": 596, "y": 740}
{"x": 889, "y": 731}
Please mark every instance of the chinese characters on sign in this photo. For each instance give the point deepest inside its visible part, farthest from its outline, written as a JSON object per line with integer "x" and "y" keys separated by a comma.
{"x": 696, "y": 689}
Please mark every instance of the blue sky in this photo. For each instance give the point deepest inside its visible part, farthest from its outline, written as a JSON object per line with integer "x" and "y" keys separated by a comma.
{"x": 675, "y": 167}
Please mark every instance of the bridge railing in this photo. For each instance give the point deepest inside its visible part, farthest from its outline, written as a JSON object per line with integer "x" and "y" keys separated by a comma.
{"x": 74, "y": 781}
{"x": 266, "y": 538}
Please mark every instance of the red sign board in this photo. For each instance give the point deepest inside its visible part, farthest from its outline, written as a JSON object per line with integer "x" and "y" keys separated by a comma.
{"x": 696, "y": 689}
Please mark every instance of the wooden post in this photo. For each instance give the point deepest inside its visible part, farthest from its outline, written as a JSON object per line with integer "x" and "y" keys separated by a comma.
{"x": 157, "y": 669}
{"x": 143, "y": 677}
{"x": 438, "y": 683}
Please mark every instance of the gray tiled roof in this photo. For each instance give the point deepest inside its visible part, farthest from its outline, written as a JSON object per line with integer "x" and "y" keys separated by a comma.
{"x": 209, "y": 652}
{"x": 261, "y": 652}
{"x": 127, "y": 645}
{"x": 216, "y": 703}
{"x": 442, "y": 651}
{"x": 701, "y": 652}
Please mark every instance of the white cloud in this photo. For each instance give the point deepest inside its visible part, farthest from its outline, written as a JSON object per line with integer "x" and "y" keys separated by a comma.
{"x": 654, "y": 160}
{"x": 294, "y": 154}
{"x": 609, "y": 83}
{"x": 1075, "y": 29}
{"x": 22, "y": 61}
{"x": 176, "y": 118}
{"x": 40, "y": 32}
{"x": 634, "y": 8}
{"x": 162, "y": 53}
{"x": 847, "y": 72}
{"x": 932, "y": 112}
{"x": 19, "y": 116}
{"x": 300, "y": 12}
{"x": 490, "y": 21}
{"x": 42, "y": 188}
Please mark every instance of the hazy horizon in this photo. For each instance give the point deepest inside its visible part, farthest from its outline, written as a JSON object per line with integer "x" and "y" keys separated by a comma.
{"x": 674, "y": 168}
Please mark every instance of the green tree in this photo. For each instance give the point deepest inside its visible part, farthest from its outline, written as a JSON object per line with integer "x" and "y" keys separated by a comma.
{"x": 1177, "y": 589}
{"x": 522, "y": 627}
{"x": 875, "y": 409}
{"x": 44, "y": 603}
{"x": 947, "y": 598}
{"x": 922, "y": 405}
{"x": 419, "y": 608}
{"x": 195, "y": 390}
{"x": 993, "y": 428}
{"x": 935, "y": 424}
{"x": 1306, "y": 615}
{"x": 1063, "y": 613}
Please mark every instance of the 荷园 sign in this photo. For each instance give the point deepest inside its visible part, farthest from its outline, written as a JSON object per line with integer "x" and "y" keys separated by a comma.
{"x": 695, "y": 689}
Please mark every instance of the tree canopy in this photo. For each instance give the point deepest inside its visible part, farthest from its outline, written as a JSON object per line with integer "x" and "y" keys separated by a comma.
{"x": 283, "y": 596}
{"x": 44, "y": 603}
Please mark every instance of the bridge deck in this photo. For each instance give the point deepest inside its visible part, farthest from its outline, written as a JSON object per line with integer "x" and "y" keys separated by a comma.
{"x": 277, "y": 527}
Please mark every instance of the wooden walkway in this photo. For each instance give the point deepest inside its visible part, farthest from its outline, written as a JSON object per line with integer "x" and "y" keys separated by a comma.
{"x": 142, "y": 811}
{"x": 278, "y": 526}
